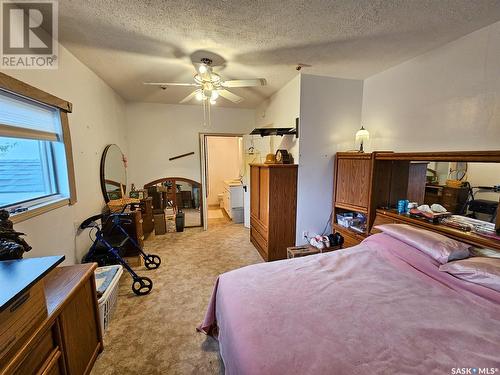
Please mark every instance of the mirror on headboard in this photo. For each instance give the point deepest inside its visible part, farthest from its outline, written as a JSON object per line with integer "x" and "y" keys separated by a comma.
{"x": 464, "y": 188}
{"x": 113, "y": 173}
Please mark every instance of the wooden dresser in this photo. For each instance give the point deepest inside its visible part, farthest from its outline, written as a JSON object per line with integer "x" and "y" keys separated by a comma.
{"x": 49, "y": 318}
{"x": 273, "y": 208}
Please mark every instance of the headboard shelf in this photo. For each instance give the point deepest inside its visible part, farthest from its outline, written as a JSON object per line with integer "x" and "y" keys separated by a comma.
{"x": 450, "y": 156}
{"x": 364, "y": 183}
{"x": 392, "y": 217}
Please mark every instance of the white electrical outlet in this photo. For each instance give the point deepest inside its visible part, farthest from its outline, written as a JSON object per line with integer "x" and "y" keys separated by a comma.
{"x": 305, "y": 234}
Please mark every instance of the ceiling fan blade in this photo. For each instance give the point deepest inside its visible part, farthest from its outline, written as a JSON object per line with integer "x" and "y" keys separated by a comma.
{"x": 189, "y": 97}
{"x": 245, "y": 82}
{"x": 230, "y": 96}
{"x": 164, "y": 84}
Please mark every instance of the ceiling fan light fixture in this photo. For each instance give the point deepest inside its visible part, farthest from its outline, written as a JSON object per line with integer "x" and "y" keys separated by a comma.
{"x": 215, "y": 95}
{"x": 213, "y": 102}
{"x": 203, "y": 68}
{"x": 199, "y": 96}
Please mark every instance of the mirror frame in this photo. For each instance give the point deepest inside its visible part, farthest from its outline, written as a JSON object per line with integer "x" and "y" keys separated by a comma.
{"x": 192, "y": 182}
{"x": 102, "y": 171}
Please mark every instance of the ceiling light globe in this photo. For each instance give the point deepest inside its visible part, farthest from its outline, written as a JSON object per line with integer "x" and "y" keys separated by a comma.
{"x": 199, "y": 96}
{"x": 215, "y": 95}
{"x": 212, "y": 101}
{"x": 203, "y": 68}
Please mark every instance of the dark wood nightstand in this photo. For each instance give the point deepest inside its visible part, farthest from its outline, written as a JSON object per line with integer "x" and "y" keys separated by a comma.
{"x": 302, "y": 251}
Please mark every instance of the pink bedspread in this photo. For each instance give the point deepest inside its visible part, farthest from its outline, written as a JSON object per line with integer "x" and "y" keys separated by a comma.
{"x": 379, "y": 308}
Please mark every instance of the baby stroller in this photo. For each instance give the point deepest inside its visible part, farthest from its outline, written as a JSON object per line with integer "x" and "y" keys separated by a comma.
{"x": 108, "y": 244}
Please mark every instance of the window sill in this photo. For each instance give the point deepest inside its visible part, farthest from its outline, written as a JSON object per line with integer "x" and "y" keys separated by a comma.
{"x": 39, "y": 210}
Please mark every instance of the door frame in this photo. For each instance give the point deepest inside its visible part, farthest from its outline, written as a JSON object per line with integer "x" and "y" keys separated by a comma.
{"x": 203, "y": 169}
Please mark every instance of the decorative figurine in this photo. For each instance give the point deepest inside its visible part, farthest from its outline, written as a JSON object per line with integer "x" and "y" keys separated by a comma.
{"x": 12, "y": 246}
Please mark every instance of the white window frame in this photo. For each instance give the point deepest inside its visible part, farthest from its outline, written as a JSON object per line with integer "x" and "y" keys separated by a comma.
{"x": 44, "y": 204}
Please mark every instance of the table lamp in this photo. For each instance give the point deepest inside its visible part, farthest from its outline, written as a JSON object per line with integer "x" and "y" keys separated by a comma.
{"x": 362, "y": 135}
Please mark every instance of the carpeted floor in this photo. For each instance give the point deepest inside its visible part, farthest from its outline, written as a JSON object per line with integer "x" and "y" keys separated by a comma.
{"x": 155, "y": 334}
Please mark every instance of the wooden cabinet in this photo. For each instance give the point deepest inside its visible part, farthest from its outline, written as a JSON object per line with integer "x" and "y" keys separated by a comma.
{"x": 68, "y": 339}
{"x": 353, "y": 176}
{"x": 362, "y": 183}
{"x": 454, "y": 199}
{"x": 147, "y": 216}
{"x": 353, "y": 186}
{"x": 273, "y": 208}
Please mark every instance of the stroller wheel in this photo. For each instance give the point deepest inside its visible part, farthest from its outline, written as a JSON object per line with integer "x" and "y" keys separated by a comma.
{"x": 152, "y": 261}
{"x": 142, "y": 286}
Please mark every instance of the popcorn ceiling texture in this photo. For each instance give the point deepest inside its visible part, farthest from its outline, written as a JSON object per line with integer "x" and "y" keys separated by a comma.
{"x": 127, "y": 42}
{"x": 156, "y": 334}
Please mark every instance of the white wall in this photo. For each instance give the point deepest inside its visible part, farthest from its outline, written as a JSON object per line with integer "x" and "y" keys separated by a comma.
{"x": 329, "y": 108}
{"x": 279, "y": 111}
{"x": 223, "y": 164}
{"x": 157, "y": 132}
{"x": 97, "y": 120}
{"x": 446, "y": 99}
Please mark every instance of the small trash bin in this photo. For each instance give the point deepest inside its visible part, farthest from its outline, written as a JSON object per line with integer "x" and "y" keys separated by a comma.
{"x": 179, "y": 221}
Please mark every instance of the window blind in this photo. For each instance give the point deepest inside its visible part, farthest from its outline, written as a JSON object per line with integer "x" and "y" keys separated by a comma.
{"x": 23, "y": 118}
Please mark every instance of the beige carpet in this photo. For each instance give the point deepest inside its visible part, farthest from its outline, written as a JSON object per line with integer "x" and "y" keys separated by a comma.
{"x": 155, "y": 334}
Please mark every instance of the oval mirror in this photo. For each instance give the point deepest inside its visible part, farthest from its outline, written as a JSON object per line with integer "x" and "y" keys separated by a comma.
{"x": 113, "y": 173}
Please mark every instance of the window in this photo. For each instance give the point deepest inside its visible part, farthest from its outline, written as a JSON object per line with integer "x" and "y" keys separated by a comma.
{"x": 33, "y": 154}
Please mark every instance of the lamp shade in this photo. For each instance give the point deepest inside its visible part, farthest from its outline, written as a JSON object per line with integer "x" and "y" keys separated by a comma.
{"x": 362, "y": 135}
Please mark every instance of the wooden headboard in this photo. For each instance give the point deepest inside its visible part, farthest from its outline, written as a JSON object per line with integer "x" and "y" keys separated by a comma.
{"x": 165, "y": 179}
{"x": 391, "y": 217}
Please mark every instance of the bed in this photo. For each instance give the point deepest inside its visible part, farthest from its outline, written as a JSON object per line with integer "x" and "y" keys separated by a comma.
{"x": 381, "y": 307}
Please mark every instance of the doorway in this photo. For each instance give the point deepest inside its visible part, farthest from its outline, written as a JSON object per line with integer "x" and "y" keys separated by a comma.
{"x": 222, "y": 170}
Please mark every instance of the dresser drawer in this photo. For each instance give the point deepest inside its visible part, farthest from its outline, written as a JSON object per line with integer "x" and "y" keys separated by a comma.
{"x": 35, "y": 358}
{"x": 259, "y": 227}
{"x": 258, "y": 240}
{"x": 20, "y": 319}
{"x": 54, "y": 365}
{"x": 350, "y": 238}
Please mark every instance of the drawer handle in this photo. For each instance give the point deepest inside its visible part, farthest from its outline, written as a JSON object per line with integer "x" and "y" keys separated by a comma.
{"x": 19, "y": 302}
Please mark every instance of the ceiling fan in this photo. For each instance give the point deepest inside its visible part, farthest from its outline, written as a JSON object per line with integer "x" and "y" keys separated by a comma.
{"x": 210, "y": 85}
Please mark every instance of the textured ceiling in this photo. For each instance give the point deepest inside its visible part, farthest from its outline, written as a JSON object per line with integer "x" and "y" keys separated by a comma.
{"x": 127, "y": 42}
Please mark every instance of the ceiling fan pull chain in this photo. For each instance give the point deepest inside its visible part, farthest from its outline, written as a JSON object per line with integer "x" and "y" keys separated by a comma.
{"x": 204, "y": 105}
{"x": 209, "y": 107}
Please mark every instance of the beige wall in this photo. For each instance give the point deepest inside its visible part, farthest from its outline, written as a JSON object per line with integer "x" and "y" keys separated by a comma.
{"x": 329, "y": 108}
{"x": 156, "y": 132}
{"x": 97, "y": 120}
{"x": 446, "y": 99}
{"x": 223, "y": 164}
{"x": 278, "y": 111}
